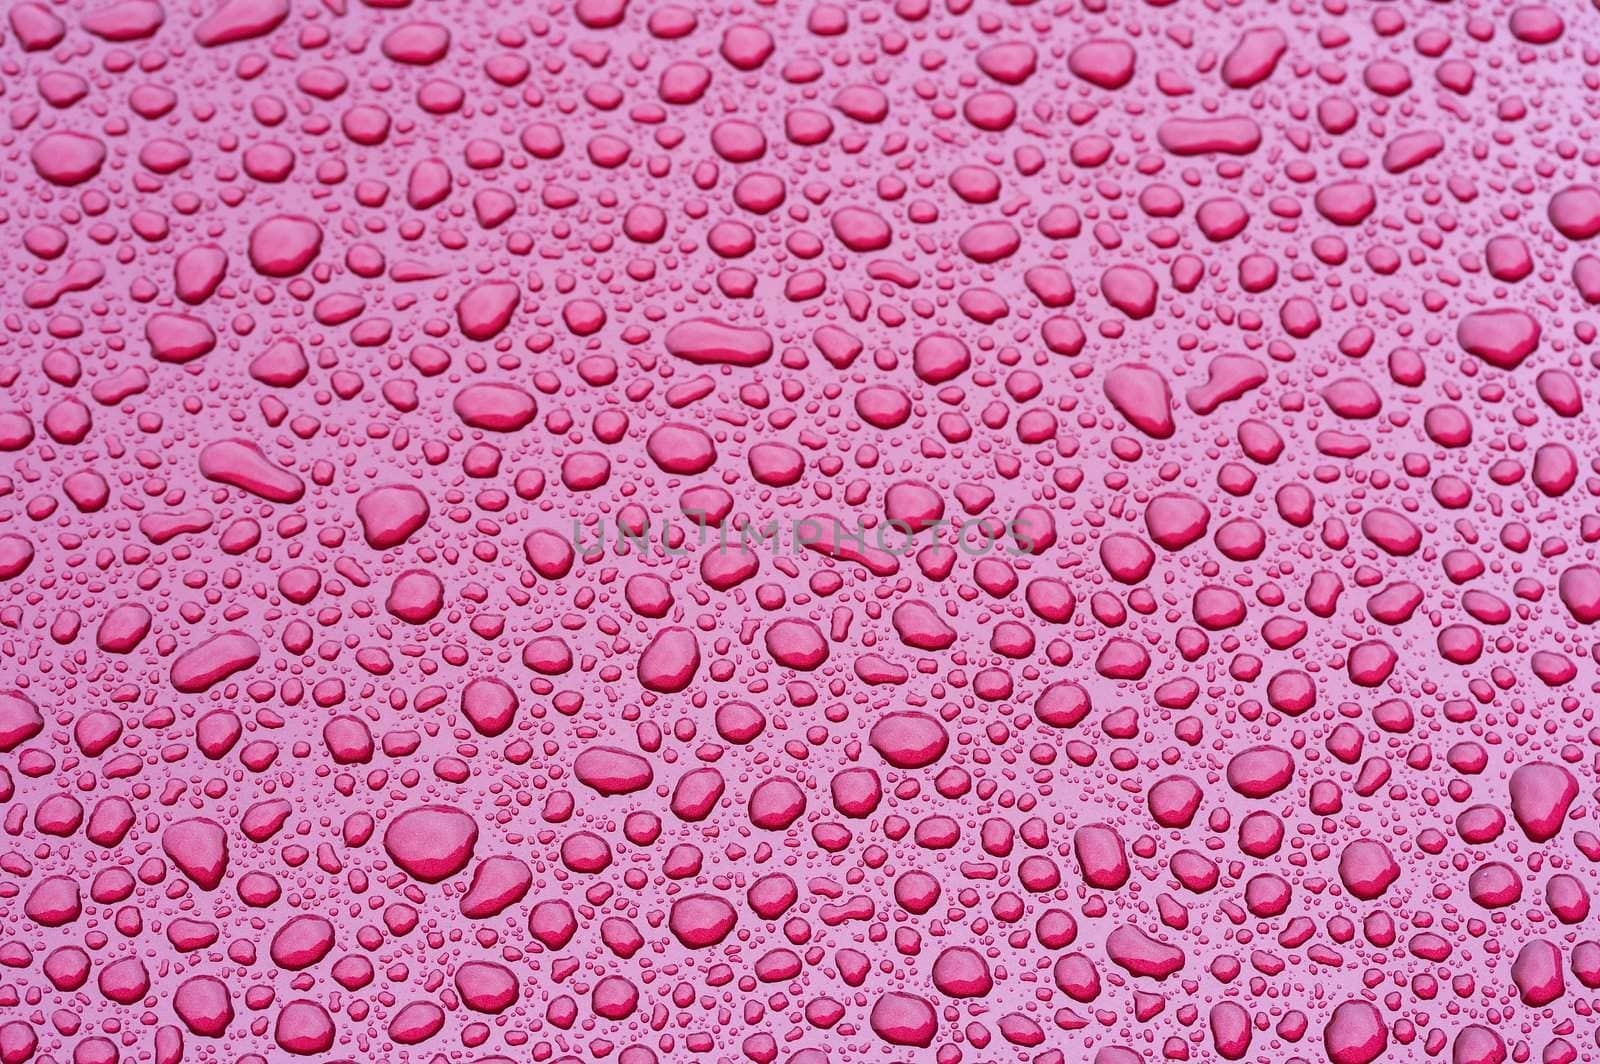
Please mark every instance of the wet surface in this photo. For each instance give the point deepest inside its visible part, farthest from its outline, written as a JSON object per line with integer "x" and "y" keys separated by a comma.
{"x": 955, "y": 531}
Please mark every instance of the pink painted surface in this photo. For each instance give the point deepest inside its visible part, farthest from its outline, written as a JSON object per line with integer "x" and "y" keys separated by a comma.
{"x": 1227, "y": 367}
